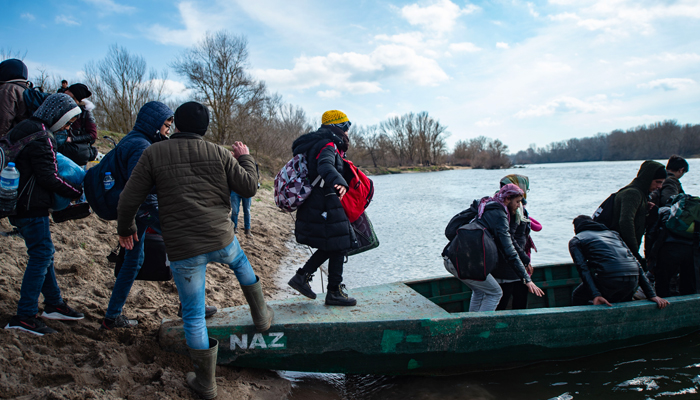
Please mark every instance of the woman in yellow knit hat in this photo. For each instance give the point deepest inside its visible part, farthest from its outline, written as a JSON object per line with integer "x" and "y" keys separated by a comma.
{"x": 321, "y": 221}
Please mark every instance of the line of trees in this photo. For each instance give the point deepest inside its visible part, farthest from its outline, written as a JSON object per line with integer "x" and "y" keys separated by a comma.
{"x": 656, "y": 141}
{"x": 481, "y": 152}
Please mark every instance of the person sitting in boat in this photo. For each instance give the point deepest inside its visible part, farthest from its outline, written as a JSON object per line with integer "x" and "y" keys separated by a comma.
{"x": 520, "y": 226}
{"x": 494, "y": 214}
{"x": 609, "y": 271}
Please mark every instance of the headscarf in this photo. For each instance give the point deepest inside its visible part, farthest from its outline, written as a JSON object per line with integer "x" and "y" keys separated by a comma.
{"x": 500, "y": 197}
{"x": 57, "y": 110}
{"x": 522, "y": 181}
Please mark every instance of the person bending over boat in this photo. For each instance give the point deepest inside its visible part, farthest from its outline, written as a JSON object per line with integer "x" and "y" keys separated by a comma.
{"x": 520, "y": 227}
{"x": 494, "y": 213}
{"x": 609, "y": 271}
{"x": 321, "y": 220}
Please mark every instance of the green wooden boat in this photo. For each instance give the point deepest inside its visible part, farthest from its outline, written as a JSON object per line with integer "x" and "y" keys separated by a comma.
{"x": 421, "y": 327}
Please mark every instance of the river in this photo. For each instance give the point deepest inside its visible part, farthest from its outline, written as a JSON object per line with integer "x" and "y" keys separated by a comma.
{"x": 409, "y": 213}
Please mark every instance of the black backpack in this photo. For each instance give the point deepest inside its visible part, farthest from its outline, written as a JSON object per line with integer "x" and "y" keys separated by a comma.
{"x": 605, "y": 211}
{"x": 460, "y": 219}
{"x": 472, "y": 252}
{"x": 33, "y": 99}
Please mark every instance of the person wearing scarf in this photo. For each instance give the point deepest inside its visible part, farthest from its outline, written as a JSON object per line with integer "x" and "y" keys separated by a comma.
{"x": 494, "y": 213}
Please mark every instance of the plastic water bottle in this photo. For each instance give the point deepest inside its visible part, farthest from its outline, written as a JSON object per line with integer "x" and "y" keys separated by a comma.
{"x": 108, "y": 181}
{"x": 9, "y": 182}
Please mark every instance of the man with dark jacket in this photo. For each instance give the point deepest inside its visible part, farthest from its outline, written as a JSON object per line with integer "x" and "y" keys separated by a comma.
{"x": 632, "y": 205}
{"x": 13, "y": 83}
{"x": 152, "y": 126}
{"x": 83, "y": 132}
{"x": 609, "y": 271}
{"x": 194, "y": 179}
{"x": 676, "y": 167}
{"x": 39, "y": 180}
{"x": 321, "y": 220}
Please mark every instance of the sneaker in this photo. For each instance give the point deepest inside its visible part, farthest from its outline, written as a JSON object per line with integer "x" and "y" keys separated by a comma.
{"x": 120, "y": 322}
{"x": 61, "y": 312}
{"x": 339, "y": 297}
{"x": 208, "y": 311}
{"x": 29, "y": 324}
{"x": 300, "y": 282}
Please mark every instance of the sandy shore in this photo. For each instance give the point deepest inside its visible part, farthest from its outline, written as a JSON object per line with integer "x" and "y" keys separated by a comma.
{"x": 82, "y": 362}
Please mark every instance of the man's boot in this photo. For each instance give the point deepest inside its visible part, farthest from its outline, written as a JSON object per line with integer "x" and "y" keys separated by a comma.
{"x": 208, "y": 311}
{"x": 203, "y": 379}
{"x": 247, "y": 234}
{"x": 300, "y": 283}
{"x": 338, "y": 297}
{"x": 262, "y": 313}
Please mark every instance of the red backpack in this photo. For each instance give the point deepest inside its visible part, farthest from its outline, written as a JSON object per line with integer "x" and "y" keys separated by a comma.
{"x": 359, "y": 194}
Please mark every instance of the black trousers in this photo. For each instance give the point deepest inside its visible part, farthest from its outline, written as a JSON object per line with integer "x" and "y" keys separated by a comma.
{"x": 614, "y": 290}
{"x": 335, "y": 266}
{"x": 675, "y": 258}
{"x": 516, "y": 290}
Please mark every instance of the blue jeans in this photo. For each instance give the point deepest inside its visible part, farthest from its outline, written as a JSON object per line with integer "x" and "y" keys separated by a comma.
{"x": 39, "y": 276}
{"x": 133, "y": 260}
{"x": 190, "y": 279}
{"x": 235, "y": 205}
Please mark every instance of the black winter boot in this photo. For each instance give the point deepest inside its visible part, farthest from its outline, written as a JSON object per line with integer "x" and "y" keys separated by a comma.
{"x": 300, "y": 282}
{"x": 339, "y": 297}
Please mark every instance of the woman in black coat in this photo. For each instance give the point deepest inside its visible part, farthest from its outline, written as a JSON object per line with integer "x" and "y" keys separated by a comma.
{"x": 321, "y": 220}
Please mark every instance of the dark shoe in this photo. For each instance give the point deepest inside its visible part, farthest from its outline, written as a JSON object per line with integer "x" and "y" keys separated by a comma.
{"x": 61, "y": 312}
{"x": 119, "y": 322}
{"x": 235, "y": 230}
{"x": 262, "y": 313}
{"x": 247, "y": 234}
{"x": 208, "y": 311}
{"x": 203, "y": 379}
{"x": 339, "y": 297}
{"x": 300, "y": 282}
{"x": 29, "y": 324}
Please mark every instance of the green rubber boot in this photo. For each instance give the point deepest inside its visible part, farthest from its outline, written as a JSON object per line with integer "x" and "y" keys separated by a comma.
{"x": 262, "y": 313}
{"x": 203, "y": 379}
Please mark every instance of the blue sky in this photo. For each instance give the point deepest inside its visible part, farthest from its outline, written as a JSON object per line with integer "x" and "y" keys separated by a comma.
{"x": 523, "y": 72}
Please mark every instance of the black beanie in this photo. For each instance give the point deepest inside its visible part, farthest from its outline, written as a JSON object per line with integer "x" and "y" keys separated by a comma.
{"x": 192, "y": 117}
{"x": 660, "y": 174}
{"x": 13, "y": 69}
{"x": 80, "y": 91}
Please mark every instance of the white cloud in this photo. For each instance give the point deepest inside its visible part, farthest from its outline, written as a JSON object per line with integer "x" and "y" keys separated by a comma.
{"x": 438, "y": 17}
{"x": 553, "y": 66}
{"x": 563, "y": 104}
{"x": 110, "y": 7}
{"x": 668, "y": 84}
{"x": 196, "y": 21}
{"x": 28, "y": 16}
{"x": 173, "y": 88}
{"x": 531, "y": 9}
{"x": 486, "y": 122}
{"x": 464, "y": 47}
{"x": 502, "y": 45}
{"x": 328, "y": 94}
{"x": 357, "y": 73}
{"x": 63, "y": 19}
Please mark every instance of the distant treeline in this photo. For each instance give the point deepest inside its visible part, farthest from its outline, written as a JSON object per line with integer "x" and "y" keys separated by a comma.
{"x": 656, "y": 141}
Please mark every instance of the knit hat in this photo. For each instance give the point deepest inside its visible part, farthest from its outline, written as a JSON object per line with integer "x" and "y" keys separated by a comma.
{"x": 336, "y": 118}
{"x": 57, "y": 110}
{"x": 13, "y": 69}
{"x": 660, "y": 174}
{"x": 192, "y": 117}
{"x": 80, "y": 91}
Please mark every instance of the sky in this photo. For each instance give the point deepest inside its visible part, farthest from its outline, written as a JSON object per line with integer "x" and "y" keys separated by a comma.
{"x": 519, "y": 71}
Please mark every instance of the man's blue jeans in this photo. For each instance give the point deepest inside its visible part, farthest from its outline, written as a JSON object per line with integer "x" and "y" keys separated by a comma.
{"x": 133, "y": 260}
{"x": 235, "y": 205}
{"x": 190, "y": 279}
{"x": 39, "y": 276}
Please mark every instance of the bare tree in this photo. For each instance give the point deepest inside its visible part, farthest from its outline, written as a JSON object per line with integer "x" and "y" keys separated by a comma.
{"x": 46, "y": 82}
{"x": 7, "y": 53}
{"x": 121, "y": 86}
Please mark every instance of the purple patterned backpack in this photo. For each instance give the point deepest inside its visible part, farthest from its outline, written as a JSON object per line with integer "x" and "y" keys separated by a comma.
{"x": 292, "y": 184}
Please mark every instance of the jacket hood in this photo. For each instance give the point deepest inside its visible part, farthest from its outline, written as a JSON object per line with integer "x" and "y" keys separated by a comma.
{"x": 580, "y": 226}
{"x": 13, "y": 69}
{"x": 150, "y": 118}
{"x": 645, "y": 176}
{"x": 57, "y": 110}
{"x": 305, "y": 142}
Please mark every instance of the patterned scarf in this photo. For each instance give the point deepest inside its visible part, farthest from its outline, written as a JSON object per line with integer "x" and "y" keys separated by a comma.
{"x": 500, "y": 198}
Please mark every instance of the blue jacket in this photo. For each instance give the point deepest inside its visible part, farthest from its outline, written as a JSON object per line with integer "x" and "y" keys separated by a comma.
{"x": 146, "y": 132}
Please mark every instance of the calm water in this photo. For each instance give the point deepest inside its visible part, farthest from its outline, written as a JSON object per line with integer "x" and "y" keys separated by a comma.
{"x": 409, "y": 213}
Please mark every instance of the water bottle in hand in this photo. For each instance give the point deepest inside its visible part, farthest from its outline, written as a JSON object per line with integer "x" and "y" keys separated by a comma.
{"x": 108, "y": 181}
{"x": 9, "y": 182}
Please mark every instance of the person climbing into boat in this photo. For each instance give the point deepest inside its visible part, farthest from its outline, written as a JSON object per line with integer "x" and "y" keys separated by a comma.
{"x": 321, "y": 220}
{"x": 494, "y": 214}
{"x": 610, "y": 273}
{"x": 194, "y": 179}
{"x": 520, "y": 226}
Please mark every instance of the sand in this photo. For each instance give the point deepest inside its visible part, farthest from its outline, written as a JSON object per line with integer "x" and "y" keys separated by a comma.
{"x": 82, "y": 362}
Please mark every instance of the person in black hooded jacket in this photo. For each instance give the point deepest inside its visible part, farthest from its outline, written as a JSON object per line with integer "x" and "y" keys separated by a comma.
{"x": 39, "y": 180}
{"x": 609, "y": 270}
{"x": 321, "y": 221}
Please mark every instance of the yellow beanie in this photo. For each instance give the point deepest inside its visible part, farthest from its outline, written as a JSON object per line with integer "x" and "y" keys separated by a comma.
{"x": 334, "y": 117}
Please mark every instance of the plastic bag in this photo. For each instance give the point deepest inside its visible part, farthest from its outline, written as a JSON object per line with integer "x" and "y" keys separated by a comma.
{"x": 72, "y": 173}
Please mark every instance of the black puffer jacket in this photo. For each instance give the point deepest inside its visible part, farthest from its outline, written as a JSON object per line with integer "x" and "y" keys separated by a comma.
{"x": 599, "y": 252}
{"x": 321, "y": 221}
{"x": 38, "y": 159}
{"x": 496, "y": 221}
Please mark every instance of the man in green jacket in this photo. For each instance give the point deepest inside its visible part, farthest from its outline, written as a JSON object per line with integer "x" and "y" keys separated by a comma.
{"x": 632, "y": 205}
{"x": 193, "y": 180}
